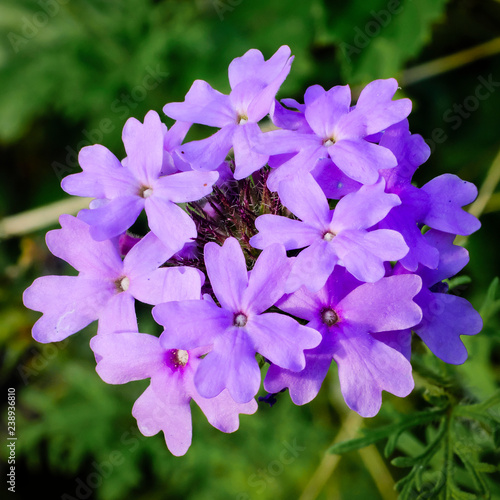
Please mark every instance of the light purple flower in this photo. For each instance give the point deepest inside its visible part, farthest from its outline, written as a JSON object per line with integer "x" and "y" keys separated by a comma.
{"x": 338, "y": 132}
{"x": 347, "y": 314}
{"x": 331, "y": 238}
{"x": 254, "y": 83}
{"x": 124, "y": 189}
{"x": 445, "y": 316}
{"x": 106, "y": 287}
{"x": 165, "y": 404}
{"x": 240, "y": 327}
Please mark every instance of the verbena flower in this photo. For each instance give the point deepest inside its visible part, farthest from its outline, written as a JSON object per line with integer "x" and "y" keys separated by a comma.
{"x": 106, "y": 287}
{"x": 254, "y": 83}
{"x": 347, "y": 313}
{"x": 239, "y": 328}
{"x": 165, "y": 404}
{"x": 138, "y": 183}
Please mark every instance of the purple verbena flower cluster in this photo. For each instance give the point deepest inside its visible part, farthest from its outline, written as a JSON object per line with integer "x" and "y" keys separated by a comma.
{"x": 305, "y": 245}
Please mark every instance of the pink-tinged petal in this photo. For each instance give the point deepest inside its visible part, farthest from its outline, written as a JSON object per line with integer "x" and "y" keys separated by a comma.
{"x": 304, "y": 385}
{"x": 74, "y": 244}
{"x": 252, "y": 65}
{"x": 267, "y": 280}
{"x": 246, "y": 160}
{"x": 209, "y": 153}
{"x": 363, "y": 254}
{"x": 172, "y": 225}
{"x": 364, "y": 208}
{"x": 361, "y": 160}
{"x": 167, "y": 284}
{"x": 368, "y": 367}
{"x": 325, "y": 111}
{"x": 204, "y": 105}
{"x": 153, "y": 416}
{"x": 385, "y": 305}
{"x": 185, "y": 186}
{"x": 144, "y": 146}
{"x": 446, "y": 317}
{"x": 127, "y": 356}
{"x": 148, "y": 254}
{"x": 448, "y": 193}
{"x": 118, "y": 315}
{"x": 175, "y": 135}
{"x": 312, "y": 267}
{"x": 282, "y": 339}
{"x": 223, "y": 412}
{"x": 285, "y": 141}
{"x": 305, "y": 199}
{"x": 230, "y": 365}
{"x": 227, "y": 271}
{"x": 114, "y": 218}
{"x": 68, "y": 304}
{"x": 191, "y": 323}
{"x": 375, "y": 110}
{"x": 289, "y": 232}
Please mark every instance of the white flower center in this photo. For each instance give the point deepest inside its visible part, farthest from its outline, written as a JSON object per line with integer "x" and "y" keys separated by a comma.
{"x": 240, "y": 320}
{"x": 328, "y": 142}
{"x": 242, "y": 119}
{"x": 328, "y": 236}
{"x": 125, "y": 283}
{"x": 182, "y": 357}
{"x": 329, "y": 317}
{"x": 147, "y": 193}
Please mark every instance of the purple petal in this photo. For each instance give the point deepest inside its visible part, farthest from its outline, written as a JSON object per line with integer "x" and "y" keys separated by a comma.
{"x": 446, "y": 317}
{"x": 304, "y": 385}
{"x": 222, "y": 411}
{"x": 305, "y": 199}
{"x": 368, "y": 367}
{"x": 127, "y": 356}
{"x": 68, "y": 304}
{"x": 289, "y": 232}
{"x": 312, "y": 266}
{"x": 113, "y": 218}
{"x": 384, "y": 305}
{"x": 334, "y": 183}
{"x": 285, "y": 141}
{"x": 185, "y": 186}
{"x": 167, "y": 284}
{"x": 325, "y": 111}
{"x": 252, "y": 65}
{"x": 118, "y": 315}
{"x": 144, "y": 146}
{"x": 246, "y": 160}
{"x": 172, "y": 225}
{"x": 204, "y": 105}
{"x": 175, "y": 135}
{"x": 361, "y": 160}
{"x": 448, "y": 194}
{"x": 209, "y": 153}
{"x": 364, "y": 208}
{"x": 304, "y": 304}
{"x": 400, "y": 341}
{"x": 191, "y": 323}
{"x": 227, "y": 271}
{"x": 74, "y": 244}
{"x": 282, "y": 339}
{"x": 230, "y": 365}
{"x": 153, "y": 416}
{"x": 242, "y": 95}
{"x": 267, "y": 280}
{"x": 288, "y": 119}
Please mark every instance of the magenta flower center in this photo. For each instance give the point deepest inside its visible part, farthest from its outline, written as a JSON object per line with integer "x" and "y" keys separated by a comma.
{"x": 329, "y": 317}
{"x": 240, "y": 320}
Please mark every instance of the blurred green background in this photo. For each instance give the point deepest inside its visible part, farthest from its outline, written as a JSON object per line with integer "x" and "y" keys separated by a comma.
{"x": 71, "y": 73}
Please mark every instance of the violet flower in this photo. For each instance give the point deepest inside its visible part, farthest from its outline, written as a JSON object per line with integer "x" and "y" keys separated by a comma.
{"x": 240, "y": 327}
{"x": 330, "y": 238}
{"x": 165, "y": 404}
{"x": 254, "y": 83}
{"x": 347, "y": 314}
{"x": 106, "y": 287}
{"x": 124, "y": 189}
